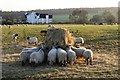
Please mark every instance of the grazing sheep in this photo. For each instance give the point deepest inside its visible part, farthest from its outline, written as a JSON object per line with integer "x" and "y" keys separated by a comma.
{"x": 62, "y": 56}
{"x": 52, "y": 56}
{"x": 14, "y": 37}
{"x": 51, "y": 27}
{"x": 37, "y": 57}
{"x": 79, "y": 51}
{"x": 32, "y": 40}
{"x": 79, "y": 40}
{"x": 71, "y": 55}
{"x": 88, "y": 55}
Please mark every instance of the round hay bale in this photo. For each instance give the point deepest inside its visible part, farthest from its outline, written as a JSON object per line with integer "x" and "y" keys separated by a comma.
{"x": 58, "y": 37}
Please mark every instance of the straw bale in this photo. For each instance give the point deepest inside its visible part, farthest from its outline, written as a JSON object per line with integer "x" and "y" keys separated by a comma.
{"x": 58, "y": 37}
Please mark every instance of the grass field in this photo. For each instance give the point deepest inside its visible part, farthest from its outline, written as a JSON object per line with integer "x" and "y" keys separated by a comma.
{"x": 102, "y": 39}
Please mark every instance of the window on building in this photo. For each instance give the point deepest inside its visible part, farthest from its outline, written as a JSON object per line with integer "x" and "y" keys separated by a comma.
{"x": 50, "y": 16}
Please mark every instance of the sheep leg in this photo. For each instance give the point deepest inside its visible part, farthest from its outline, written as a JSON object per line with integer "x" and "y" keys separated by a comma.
{"x": 51, "y": 63}
{"x": 83, "y": 44}
{"x": 64, "y": 62}
{"x": 90, "y": 62}
{"x": 86, "y": 61}
{"x": 75, "y": 60}
{"x": 71, "y": 63}
{"x": 48, "y": 62}
{"x": 54, "y": 62}
{"x": 28, "y": 44}
{"x": 33, "y": 64}
{"x": 35, "y": 43}
{"x": 23, "y": 63}
{"x": 60, "y": 63}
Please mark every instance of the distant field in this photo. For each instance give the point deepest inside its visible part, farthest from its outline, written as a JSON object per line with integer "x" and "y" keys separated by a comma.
{"x": 61, "y": 18}
{"x": 102, "y": 39}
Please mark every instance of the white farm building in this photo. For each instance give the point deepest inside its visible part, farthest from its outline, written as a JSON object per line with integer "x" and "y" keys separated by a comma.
{"x": 37, "y": 18}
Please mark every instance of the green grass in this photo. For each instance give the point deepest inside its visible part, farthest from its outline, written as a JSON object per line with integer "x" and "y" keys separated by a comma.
{"x": 99, "y": 35}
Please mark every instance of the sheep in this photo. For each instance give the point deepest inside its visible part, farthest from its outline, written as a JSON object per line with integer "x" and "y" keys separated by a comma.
{"x": 37, "y": 57}
{"x": 71, "y": 55}
{"x": 51, "y": 27}
{"x": 79, "y": 40}
{"x": 62, "y": 56}
{"x": 52, "y": 56}
{"x": 26, "y": 52}
{"x": 25, "y": 56}
{"x": 14, "y": 37}
{"x": 88, "y": 55}
{"x": 79, "y": 51}
{"x": 31, "y": 40}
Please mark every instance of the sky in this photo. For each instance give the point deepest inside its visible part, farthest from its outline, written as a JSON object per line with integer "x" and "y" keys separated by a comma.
{"x": 24, "y": 5}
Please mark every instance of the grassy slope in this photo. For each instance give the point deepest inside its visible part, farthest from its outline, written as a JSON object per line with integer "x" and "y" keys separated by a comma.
{"x": 103, "y": 40}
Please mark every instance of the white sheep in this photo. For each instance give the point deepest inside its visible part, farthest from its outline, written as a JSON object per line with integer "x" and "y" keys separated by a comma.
{"x": 52, "y": 55}
{"x": 25, "y": 56}
{"x": 71, "y": 55}
{"x": 32, "y": 40}
{"x": 26, "y": 52}
{"x": 88, "y": 55}
{"x": 79, "y": 40}
{"x": 14, "y": 37}
{"x": 37, "y": 57}
{"x": 62, "y": 56}
{"x": 79, "y": 51}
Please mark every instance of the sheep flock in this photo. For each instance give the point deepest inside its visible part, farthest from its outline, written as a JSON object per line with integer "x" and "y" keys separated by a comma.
{"x": 58, "y": 48}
